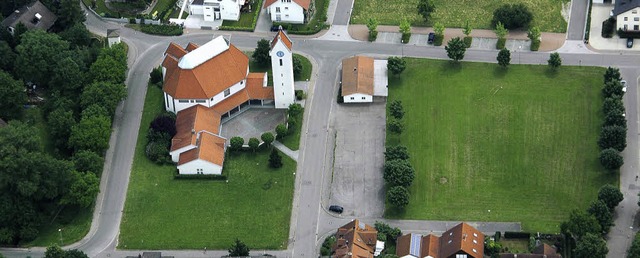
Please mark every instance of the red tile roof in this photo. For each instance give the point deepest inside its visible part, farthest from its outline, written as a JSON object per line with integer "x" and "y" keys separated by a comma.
{"x": 207, "y": 79}
{"x": 303, "y": 3}
{"x": 175, "y": 50}
{"x": 461, "y": 239}
{"x": 210, "y": 148}
{"x": 355, "y": 239}
{"x": 357, "y": 75}
{"x": 192, "y": 120}
{"x": 282, "y": 37}
{"x": 192, "y": 46}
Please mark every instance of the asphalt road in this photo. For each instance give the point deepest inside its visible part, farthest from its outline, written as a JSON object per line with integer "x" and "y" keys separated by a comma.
{"x": 577, "y": 21}
{"x": 309, "y": 220}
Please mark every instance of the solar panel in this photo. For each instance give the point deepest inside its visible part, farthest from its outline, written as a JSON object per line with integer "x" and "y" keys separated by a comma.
{"x": 414, "y": 248}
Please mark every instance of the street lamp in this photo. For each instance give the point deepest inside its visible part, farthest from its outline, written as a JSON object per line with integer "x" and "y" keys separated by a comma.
{"x": 60, "y": 231}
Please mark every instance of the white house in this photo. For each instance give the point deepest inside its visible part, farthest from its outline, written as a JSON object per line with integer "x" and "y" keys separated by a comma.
{"x": 212, "y": 10}
{"x": 113, "y": 37}
{"x": 289, "y": 11}
{"x": 203, "y": 85}
{"x": 363, "y": 78}
{"x": 627, "y": 15}
{"x": 282, "y": 67}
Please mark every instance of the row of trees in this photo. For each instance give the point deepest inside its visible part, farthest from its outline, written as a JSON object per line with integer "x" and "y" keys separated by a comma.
{"x": 587, "y": 228}
{"x": 613, "y": 136}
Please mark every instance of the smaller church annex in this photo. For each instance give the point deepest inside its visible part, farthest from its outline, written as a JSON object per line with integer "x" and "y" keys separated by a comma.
{"x": 205, "y": 84}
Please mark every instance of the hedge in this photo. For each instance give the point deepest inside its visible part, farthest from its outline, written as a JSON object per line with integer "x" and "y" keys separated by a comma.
{"x": 517, "y": 235}
{"x": 165, "y": 30}
{"x": 200, "y": 177}
{"x": 628, "y": 34}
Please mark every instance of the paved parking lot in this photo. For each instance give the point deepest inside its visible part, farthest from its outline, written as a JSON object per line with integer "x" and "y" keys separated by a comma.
{"x": 359, "y": 156}
{"x": 253, "y": 123}
{"x": 512, "y": 44}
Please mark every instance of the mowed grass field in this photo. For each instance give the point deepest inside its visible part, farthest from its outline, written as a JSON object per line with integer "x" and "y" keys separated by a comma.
{"x": 495, "y": 145}
{"x": 165, "y": 213}
{"x": 454, "y": 14}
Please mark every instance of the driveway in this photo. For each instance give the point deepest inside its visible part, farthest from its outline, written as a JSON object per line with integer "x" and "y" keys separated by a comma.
{"x": 359, "y": 156}
{"x": 600, "y": 13}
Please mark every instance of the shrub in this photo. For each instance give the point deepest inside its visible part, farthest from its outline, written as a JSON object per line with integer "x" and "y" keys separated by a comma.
{"x": 396, "y": 65}
{"x": 516, "y": 235}
{"x": 396, "y": 152}
{"x": 396, "y": 110}
{"x": 275, "y": 160}
{"x": 513, "y": 16}
{"x": 387, "y": 232}
{"x": 554, "y": 60}
{"x": 164, "y": 123}
{"x": 281, "y": 131}
{"x": 325, "y": 250}
{"x": 398, "y": 196}
{"x": 132, "y": 20}
{"x": 254, "y": 143}
{"x": 535, "y": 45}
{"x": 467, "y": 41}
{"x": 294, "y": 110}
{"x": 155, "y": 77}
{"x": 300, "y": 95}
{"x": 158, "y": 152}
{"x": 613, "y": 89}
{"x": 165, "y": 30}
{"x": 236, "y": 143}
{"x": 373, "y": 35}
{"x": 608, "y": 27}
{"x": 406, "y": 37}
{"x": 297, "y": 65}
{"x": 613, "y": 136}
{"x": 501, "y": 43}
{"x": 398, "y": 172}
{"x": 437, "y": 40}
{"x": 611, "y": 159}
{"x": 267, "y": 138}
{"x": 395, "y": 126}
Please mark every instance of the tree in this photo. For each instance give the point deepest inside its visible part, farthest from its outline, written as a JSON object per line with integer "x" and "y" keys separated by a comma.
{"x": 267, "y": 138}
{"x": 611, "y": 159}
{"x": 396, "y": 65}
{"x": 281, "y": 131}
{"x": 155, "y": 77}
{"x": 107, "y": 69}
{"x": 54, "y": 251}
{"x": 591, "y": 245}
{"x": 386, "y": 231}
{"x": 492, "y": 247}
{"x": 405, "y": 26}
{"x": 372, "y": 25}
{"x": 254, "y": 143}
{"x": 612, "y": 104}
{"x": 275, "y": 160}
{"x": 8, "y": 56}
{"x": 455, "y": 49}
{"x": 107, "y": 95}
{"x": 554, "y": 60}
{"x": 615, "y": 117}
{"x": 83, "y": 190}
{"x": 297, "y": 66}
{"x": 500, "y": 30}
{"x": 466, "y": 29}
{"x": 610, "y": 195}
{"x": 158, "y": 151}
{"x": 59, "y": 123}
{"x": 261, "y": 53}
{"x": 513, "y": 16}
{"x": 612, "y": 74}
{"x": 396, "y": 152}
{"x": 438, "y": 29}
{"x": 12, "y": 95}
{"x": 92, "y": 134}
{"x": 94, "y": 110}
{"x": 165, "y": 123}
{"x": 396, "y": 110}
{"x": 294, "y": 110}
{"x": 534, "y": 34}
{"x": 38, "y": 54}
{"x": 87, "y": 162}
{"x": 398, "y": 196}
{"x": 579, "y": 224}
{"x": 425, "y": 8}
{"x": 236, "y": 143}
{"x": 634, "y": 251}
{"x": 613, "y": 89}
{"x": 504, "y": 57}
{"x": 395, "y": 126}
{"x": 69, "y": 14}
{"x": 613, "y": 136}
{"x": 68, "y": 78}
{"x": 77, "y": 35}
{"x": 602, "y": 214}
{"x": 398, "y": 172}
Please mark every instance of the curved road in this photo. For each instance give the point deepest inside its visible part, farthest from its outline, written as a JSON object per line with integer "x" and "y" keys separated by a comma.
{"x": 308, "y": 223}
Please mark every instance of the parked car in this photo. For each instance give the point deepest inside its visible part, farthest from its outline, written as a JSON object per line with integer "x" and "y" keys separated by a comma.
{"x": 629, "y": 42}
{"x": 431, "y": 37}
{"x": 624, "y": 85}
{"x": 336, "y": 208}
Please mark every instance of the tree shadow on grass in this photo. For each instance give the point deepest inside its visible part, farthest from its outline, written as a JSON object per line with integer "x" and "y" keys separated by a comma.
{"x": 500, "y": 72}
{"x": 551, "y": 73}
{"x": 394, "y": 212}
{"x": 451, "y": 67}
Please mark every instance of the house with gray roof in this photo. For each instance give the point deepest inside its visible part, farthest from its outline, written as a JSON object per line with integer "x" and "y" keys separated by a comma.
{"x": 33, "y": 16}
{"x": 627, "y": 14}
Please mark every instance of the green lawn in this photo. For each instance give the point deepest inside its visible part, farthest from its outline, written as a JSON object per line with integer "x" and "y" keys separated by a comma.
{"x": 305, "y": 75}
{"x": 292, "y": 140}
{"x": 74, "y": 224}
{"x": 246, "y": 18}
{"x": 163, "y": 213}
{"x": 454, "y": 14}
{"x": 520, "y": 143}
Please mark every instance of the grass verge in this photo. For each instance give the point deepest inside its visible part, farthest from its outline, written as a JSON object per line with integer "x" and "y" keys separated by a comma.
{"x": 292, "y": 140}
{"x": 453, "y": 14}
{"x": 490, "y": 144}
{"x": 73, "y": 223}
{"x": 254, "y": 205}
{"x": 254, "y": 67}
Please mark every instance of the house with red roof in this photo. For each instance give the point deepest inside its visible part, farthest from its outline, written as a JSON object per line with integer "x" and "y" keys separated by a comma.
{"x": 461, "y": 241}
{"x": 356, "y": 240}
{"x": 289, "y": 11}
{"x": 203, "y": 86}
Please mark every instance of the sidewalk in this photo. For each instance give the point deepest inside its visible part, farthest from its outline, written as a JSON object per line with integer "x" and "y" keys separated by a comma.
{"x": 292, "y": 154}
{"x": 550, "y": 41}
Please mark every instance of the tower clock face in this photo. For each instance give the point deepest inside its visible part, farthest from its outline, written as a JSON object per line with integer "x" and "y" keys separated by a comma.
{"x": 280, "y": 54}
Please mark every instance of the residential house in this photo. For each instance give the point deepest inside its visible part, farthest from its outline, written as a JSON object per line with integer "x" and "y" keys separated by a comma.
{"x": 626, "y": 14}
{"x": 213, "y": 10}
{"x": 541, "y": 251}
{"x": 32, "y": 16}
{"x": 461, "y": 241}
{"x": 203, "y": 85}
{"x": 363, "y": 78}
{"x": 289, "y": 11}
{"x": 356, "y": 240}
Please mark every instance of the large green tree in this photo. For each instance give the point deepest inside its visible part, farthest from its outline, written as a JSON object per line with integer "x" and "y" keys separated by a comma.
{"x": 602, "y": 213}
{"x": 91, "y": 133}
{"x": 59, "y": 123}
{"x": 83, "y": 189}
{"x": 504, "y": 57}
{"x": 8, "y": 56}
{"x": 88, "y": 162}
{"x": 612, "y": 74}
{"x": 611, "y": 159}
{"x": 398, "y": 172}
{"x": 38, "y": 55}
{"x": 77, "y": 35}
{"x": 579, "y": 224}
{"x": 425, "y": 8}
{"x": 398, "y": 196}
{"x": 104, "y": 94}
{"x": 12, "y": 96}
{"x": 610, "y": 195}
{"x": 455, "y": 49}
{"x": 613, "y": 136}
{"x": 68, "y": 78}
{"x": 634, "y": 251}
{"x": 261, "y": 53}
{"x": 396, "y": 64}
{"x": 396, "y": 152}
{"x": 108, "y": 69}
{"x": 592, "y": 246}
{"x": 69, "y": 14}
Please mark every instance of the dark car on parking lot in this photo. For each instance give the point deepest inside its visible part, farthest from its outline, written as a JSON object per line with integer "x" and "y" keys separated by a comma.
{"x": 629, "y": 42}
{"x": 431, "y": 37}
{"x": 336, "y": 208}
